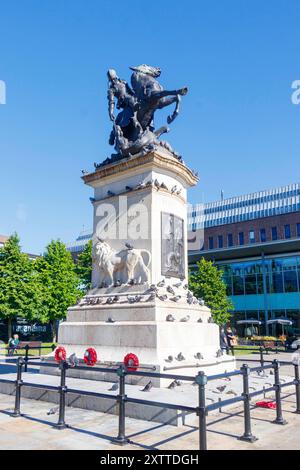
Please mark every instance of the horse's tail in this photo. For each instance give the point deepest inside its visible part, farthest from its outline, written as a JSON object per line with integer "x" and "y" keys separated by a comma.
{"x": 146, "y": 257}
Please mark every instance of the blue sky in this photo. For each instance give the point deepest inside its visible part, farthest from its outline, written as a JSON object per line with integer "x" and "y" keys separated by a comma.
{"x": 238, "y": 127}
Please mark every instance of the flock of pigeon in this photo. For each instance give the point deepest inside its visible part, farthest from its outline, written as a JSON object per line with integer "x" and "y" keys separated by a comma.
{"x": 175, "y": 190}
{"x": 175, "y": 293}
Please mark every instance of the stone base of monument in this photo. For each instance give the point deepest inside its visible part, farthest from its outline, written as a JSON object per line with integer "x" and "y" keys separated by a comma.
{"x": 167, "y": 336}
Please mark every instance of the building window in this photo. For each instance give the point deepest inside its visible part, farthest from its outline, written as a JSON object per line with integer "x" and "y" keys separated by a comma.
{"x": 230, "y": 239}
{"x": 211, "y": 243}
{"x": 220, "y": 241}
{"x": 263, "y": 237}
{"x": 241, "y": 238}
{"x": 298, "y": 230}
{"x": 251, "y": 236}
{"x": 287, "y": 231}
{"x": 274, "y": 233}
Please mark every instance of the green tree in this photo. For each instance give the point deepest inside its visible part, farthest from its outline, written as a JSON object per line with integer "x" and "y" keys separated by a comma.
{"x": 59, "y": 282}
{"x": 84, "y": 267}
{"x": 207, "y": 283}
{"x": 19, "y": 287}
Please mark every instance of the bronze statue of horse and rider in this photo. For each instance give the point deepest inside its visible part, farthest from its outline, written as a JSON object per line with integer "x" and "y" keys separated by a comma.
{"x": 133, "y": 128}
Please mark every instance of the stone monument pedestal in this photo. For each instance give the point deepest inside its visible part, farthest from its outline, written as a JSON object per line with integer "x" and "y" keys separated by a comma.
{"x": 140, "y": 302}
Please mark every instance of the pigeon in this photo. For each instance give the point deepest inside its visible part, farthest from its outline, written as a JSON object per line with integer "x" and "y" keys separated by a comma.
{"x": 163, "y": 186}
{"x": 118, "y": 283}
{"x": 116, "y": 298}
{"x": 52, "y": 411}
{"x": 151, "y": 297}
{"x": 170, "y": 290}
{"x": 129, "y": 246}
{"x": 128, "y": 188}
{"x": 185, "y": 286}
{"x": 84, "y": 172}
{"x": 172, "y": 384}
{"x": 174, "y": 189}
{"x": 221, "y": 388}
{"x": 153, "y": 287}
{"x": 169, "y": 359}
{"x": 73, "y": 360}
{"x": 210, "y": 320}
{"x": 161, "y": 283}
{"x": 178, "y": 192}
{"x": 131, "y": 300}
{"x": 201, "y": 302}
{"x": 114, "y": 387}
{"x": 176, "y": 298}
{"x": 163, "y": 297}
{"x": 219, "y": 353}
{"x": 231, "y": 392}
{"x": 110, "y": 320}
{"x": 189, "y": 300}
{"x": 200, "y": 320}
{"x": 227, "y": 379}
{"x": 271, "y": 372}
{"x": 260, "y": 373}
{"x": 92, "y": 199}
{"x": 177, "y": 285}
{"x": 110, "y": 193}
{"x": 185, "y": 319}
{"x": 147, "y": 387}
{"x": 110, "y": 300}
{"x": 138, "y": 298}
{"x": 198, "y": 355}
{"x": 170, "y": 317}
{"x": 156, "y": 184}
{"x": 180, "y": 357}
{"x": 140, "y": 186}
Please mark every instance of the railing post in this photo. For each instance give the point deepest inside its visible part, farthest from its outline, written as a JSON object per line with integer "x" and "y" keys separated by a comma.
{"x": 261, "y": 352}
{"x": 201, "y": 380}
{"x": 247, "y": 436}
{"x": 26, "y": 357}
{"x": 297, "y": 385}
{"x": 279, "y": 418}
{"x": 121, "y": 398}
{"x": 19, "y": 382}
{"x": 62, "y": 396}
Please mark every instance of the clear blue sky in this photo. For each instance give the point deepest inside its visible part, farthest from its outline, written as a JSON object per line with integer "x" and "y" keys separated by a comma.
{"x": 238, "y": 127}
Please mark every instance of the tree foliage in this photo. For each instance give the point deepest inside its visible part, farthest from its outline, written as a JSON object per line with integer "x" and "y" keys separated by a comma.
{"x": 58, "y": 281}
{"x": 19, "y": 287}
{"x": 207, "y": 283}
{"x": 84, "y": 267}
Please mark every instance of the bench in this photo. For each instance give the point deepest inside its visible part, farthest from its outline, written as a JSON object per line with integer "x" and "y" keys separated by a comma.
{"x": 30, "y": 344}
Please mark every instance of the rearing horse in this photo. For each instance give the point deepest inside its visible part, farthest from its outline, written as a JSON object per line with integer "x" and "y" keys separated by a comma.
{"x": 151, "y": 95}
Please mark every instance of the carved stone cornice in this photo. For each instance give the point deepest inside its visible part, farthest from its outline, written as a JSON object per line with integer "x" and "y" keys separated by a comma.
{"x": 138, "y": 164}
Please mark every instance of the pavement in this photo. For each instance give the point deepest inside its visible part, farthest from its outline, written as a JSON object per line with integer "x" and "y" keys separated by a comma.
{"x": 94, "y": 430}
{"x": 91, "y": 430}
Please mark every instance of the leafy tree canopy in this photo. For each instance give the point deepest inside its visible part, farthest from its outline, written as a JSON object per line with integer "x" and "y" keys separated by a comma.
{"x": 207, "y": 283}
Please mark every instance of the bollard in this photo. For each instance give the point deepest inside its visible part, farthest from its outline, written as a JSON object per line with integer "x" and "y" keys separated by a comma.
{"x": 247, "y": 436}
{"x": 19, "y": 382}
{"x": 279, "y": 419}
{"x": 297, "y": 385}
{"x": 62, "y": 396}
{"x": 26, "y": 357}
{"x": 261, "y": 352}
{"x": 201, "y": 380}
{"x": 121, "y": 439}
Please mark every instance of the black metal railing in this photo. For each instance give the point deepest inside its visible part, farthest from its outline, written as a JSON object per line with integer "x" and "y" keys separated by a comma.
{"x": 200, "y": 380}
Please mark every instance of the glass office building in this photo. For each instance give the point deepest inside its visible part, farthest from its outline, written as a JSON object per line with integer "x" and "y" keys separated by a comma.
{"x": 255, "y": 240}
